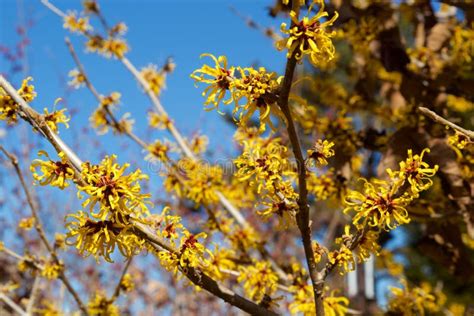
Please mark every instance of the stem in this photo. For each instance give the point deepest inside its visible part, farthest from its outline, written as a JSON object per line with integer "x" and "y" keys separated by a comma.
{"x": 438, "y": 119}
{"x": 40, "y": 230}
{"x": 12, "y": 304}
{"x": 119, "y": 284}
{"x": 302, "y": 218}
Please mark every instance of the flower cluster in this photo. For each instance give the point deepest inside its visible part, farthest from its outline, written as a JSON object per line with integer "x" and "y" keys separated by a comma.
{"x": 195, "y": 180}
{"x": 264, "y": 164}
{"x": 257, "y": 88}
{"x": 117, "y": 194}
{"x": 190, "y": 253}
{"x": 303, "y": 297}
{"x": 101, "y": 305}
{"x": 100, "y": 238}
{"x": 76, "y": 24}
{"x": 259, "y": 280}
{"x": 412, "y": 301}
{"x": 9, "y": 108}
{"x": 309, "y": 36}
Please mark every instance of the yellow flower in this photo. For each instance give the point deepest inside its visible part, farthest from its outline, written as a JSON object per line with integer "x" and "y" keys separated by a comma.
{"x": 75, "y": 24}
{"x": 199, "y": 144}
{"x": 99, "y": 121}
{"x": 56, "y": 117}
{"x": 95, "y": 43}
{"x": 127, "y": 283}
{"x": 101, "y": 306}
{"x": 99, "y": 238}
{"x": 378, "y": 205}
{"x": 159, "y": 121}
{"x": 368, "y": 245}
{"x": 48, "y": 309}
{"x": 27, "y": 223}
{"x": 258, "y": 88}
{"x": 51, "y": 270}
{"x": 2, "y": 245}
{"x": 221, "y": 259}
{"x": 110, "y": 100}
{"x": 154, "y": 78}
{"x": 167, "y": 226}
{"x": 415, "y": 171}
{"x": 55, "y": 173}
{"x": 303, "y": 302}
{"x": 219, "y": 78}
{"x": 190, "y": 255}
{"x": 343, "y": 258}
{"x": 119, "y": 29}
{"x": 385, "y": 261}
{"x": 320, "y": 151}
{"x": 243, "y": 237}
{"x": 201, "y": 181}
{"x": 322, "y": 186}
{"x": 408, "y": 301}
{"x": 77, "y": 79}
{"x": 459, "y": 141}
{"x": 9, "y": 108}
{"x": 158, "y": 151}
{"x": 115, "y": 47}
{"x": 118, "y": 194}
{"x": 309, "y": 36}
{"x": 59, "y": 241}
{"x": 259, "y": 280}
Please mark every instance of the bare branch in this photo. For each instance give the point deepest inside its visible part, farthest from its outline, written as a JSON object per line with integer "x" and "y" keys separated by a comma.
{"x": 438, "y": 119}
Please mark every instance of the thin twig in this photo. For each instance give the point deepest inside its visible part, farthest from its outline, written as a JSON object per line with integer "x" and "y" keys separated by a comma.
{"x": 12, "y": 304}
{"x": 39, "y": 228}
{"x": 33, "y": 295}
{"x": 438, "y": 119}
{"x": 119, "y": 284}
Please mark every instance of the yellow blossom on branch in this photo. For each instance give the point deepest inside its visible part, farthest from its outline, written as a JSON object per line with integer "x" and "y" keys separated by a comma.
{"x": 127, "y": 283}
{"x": 27, "y": 223}
{"x": 309, "y": 36}
{"x": 76, "y": 24}
{"x": 55, "y": 173}
{"x": 258, "y": 88}
{"x": 51, "y": 270}
{"x": 8, "y": 107}
{"x": 77, "y": 79}
{"x": 154, "y": 78}
{"x": 99, "y": 305}
{"x": 56, "y": 117}
{"x": 219, "y": 78}
{"x": 342, "y": 258}
{"x": 321, "y": 151}
{"x": 99, "y": 238}
{"x": 378, "y": 205}
{"x": 417, "y": 172}
{"x": 117, "y": 194}
{"x": 159, "y": 121}
{"x": 259, "y": 280}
